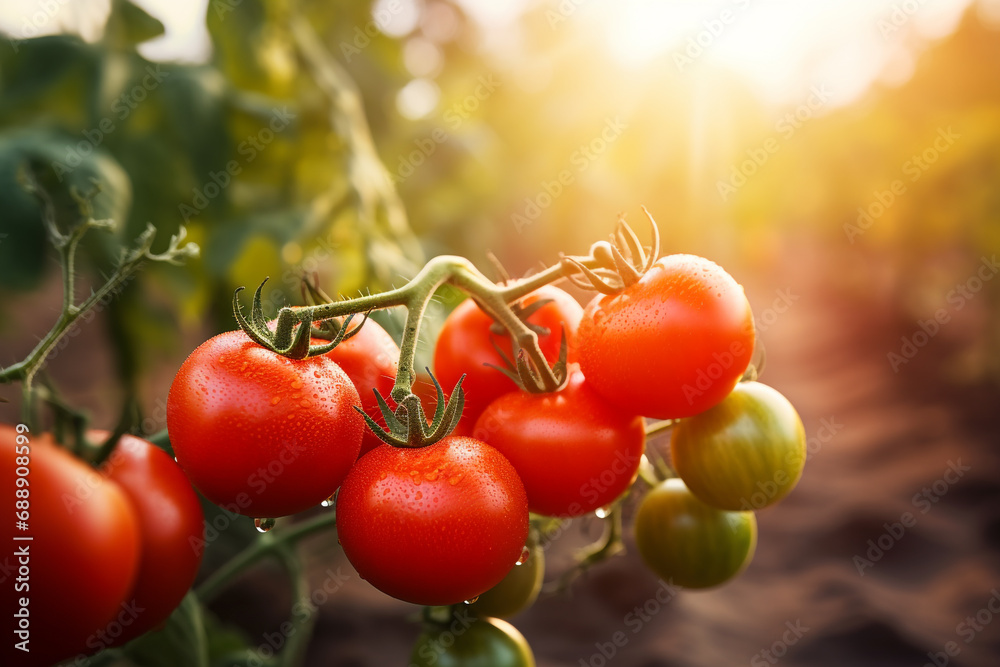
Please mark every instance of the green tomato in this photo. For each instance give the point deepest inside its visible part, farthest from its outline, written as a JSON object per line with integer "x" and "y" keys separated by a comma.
{"x": 745, "y": 453}
{"x": 518, "y": 590}
{"x": 472, "y": 642}
{"x": 689, "y": 544}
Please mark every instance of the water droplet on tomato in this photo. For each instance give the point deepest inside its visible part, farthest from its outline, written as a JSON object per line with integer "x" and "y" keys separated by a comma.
{"x": 331, "y": 501}
{"x": 383, "y": 475}
{"x": 275, "y": 400}
{"x": 454, "y": 480}
{"x": 525, "y": 555}
{"x": 263, "y": 525}
{"x": 471, "y": 600}
{"x": 296, "y": 384}
{"x": 603, "y": 512}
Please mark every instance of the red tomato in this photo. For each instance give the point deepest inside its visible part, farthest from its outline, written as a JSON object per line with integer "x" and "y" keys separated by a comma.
{"x": 261, "y": 434}
{"x": 672, "y": 345}
{"x": 370, "y": 359}
{"x": 172, "y": 527}
{"x": 435, "y": 525}
{"x": 81, "y": 562}
{"x": 573, "y": 450}
{"x": 465, "y": 344}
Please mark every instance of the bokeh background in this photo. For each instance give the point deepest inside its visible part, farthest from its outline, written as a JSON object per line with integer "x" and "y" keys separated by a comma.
{"x": 840, "y": 158}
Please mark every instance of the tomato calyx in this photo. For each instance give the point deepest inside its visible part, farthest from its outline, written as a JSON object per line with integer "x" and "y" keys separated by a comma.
{"x": 294, "y": 344}
{"x": 620, "y": 263}
{"x": 523, "y": 313}
{"x": 526, "y": 376}
{"x": 407, "y": 426}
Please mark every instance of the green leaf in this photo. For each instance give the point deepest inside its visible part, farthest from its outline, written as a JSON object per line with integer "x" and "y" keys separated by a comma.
{"x": 54, "y": 77}
{"x": 182, "y": 642}
{"x": 129, "y": 25}
{"x": 225, "y": 642}
{"x": 23, "y": 248}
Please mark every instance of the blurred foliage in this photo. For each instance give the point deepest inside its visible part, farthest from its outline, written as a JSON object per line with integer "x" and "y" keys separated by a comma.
{"x": 482, "y": 171}
{"x": 263, "y": 153}
{"x": 271, "y": 153}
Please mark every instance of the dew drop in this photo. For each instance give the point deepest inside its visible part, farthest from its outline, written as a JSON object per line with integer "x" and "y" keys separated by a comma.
{"x": 263, "y": 525}
{"x": 525, "y": 554}
{"x": 418, "y": 495}
{"x": 331, "y": 501}
{"x": 296, "y": 384}
{"x": 471, "y": 600}
{"x": 454, "y": 480}
{"x": 603, "y": 512}
{"x": 275, "y": 400}
{"x": 383, "y": 475}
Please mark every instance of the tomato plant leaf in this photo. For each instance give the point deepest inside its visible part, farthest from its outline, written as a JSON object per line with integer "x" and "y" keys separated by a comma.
{"x": 182, "y": 641}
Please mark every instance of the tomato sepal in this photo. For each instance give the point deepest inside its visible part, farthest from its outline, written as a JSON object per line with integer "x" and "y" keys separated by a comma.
{"x": 407, "y": 425}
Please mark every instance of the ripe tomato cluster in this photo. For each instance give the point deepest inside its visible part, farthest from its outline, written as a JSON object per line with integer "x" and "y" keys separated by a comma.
{"x": 128, "y": 529}
{"x": 447, "y": 521}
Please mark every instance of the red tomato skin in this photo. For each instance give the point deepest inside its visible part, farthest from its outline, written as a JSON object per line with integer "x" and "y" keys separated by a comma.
{"x": 370, "y": 358}
{"x": 435, "y": 525}
{"x": 574, "y": 451}
{"x": 465, "y": 344}
{"x": 171, "y": 523}
{"x": 261, "y": 434}
{"x": 672, "y": 345}
{"x": 82, "y": 560}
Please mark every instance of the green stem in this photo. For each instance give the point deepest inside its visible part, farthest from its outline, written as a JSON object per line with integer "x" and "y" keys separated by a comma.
{"x": 303, "y": 617}
{"x": 417, "y": 294}
{"x": 609, "y": 545}
{"x": 266, "y": 545}
{"x": 660, "y": 426}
